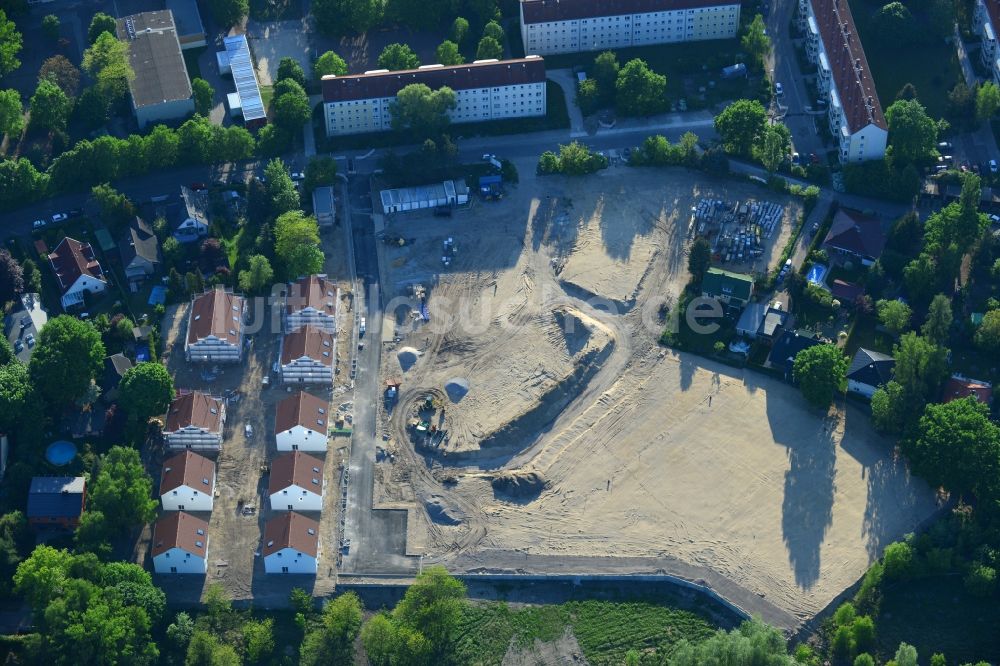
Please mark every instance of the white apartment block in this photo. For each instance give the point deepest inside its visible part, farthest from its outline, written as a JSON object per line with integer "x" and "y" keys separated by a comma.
{"x": 559, "y": 26}
{"x": 484, "y": 90}
{"x": 844, "y": 79}
{"x": 986, "y": 22}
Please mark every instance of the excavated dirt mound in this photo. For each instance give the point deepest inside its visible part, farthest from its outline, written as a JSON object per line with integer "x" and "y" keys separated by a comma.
{"x": 407, "y": 356}
{"x": 520, "y": 484}
{"x": 456, "y": 388}
{"x": 439, "y": 513}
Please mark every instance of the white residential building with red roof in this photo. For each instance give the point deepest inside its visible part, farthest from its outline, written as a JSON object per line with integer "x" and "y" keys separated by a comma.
{"x": 844, "y": 79}
{"x": 215, "y": 327}
{"x": 301, "y": 423}
{"x": 307, "y": 356}
{"x": 312, "y": 300}
{"x": 180, "y": 544}
{"x": 77, "y": 270}
{"x": 187, "y": 483}
{"x": 195, "y": 421}
{"x": 561, "y": 26}
{"x": 291, "y": 544}
{"x": 484, "y": 90}
{"x": 296, "y": 482}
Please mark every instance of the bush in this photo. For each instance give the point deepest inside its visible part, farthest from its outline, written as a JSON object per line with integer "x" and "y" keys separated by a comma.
{"x": 981, "y": 581}
{"x": 898, "y": 561}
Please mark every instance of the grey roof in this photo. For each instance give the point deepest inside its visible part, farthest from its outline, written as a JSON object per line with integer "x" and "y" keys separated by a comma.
{"x": 323, "y": 200}
{"x": 871, "y": 367}
{"x": 56, "y": 497}
{"x": 773, "y": 320}
{"x": 155, "y": 55}
{"x": 787, "y": 347}
{"x": 187, "y": 18}
{"x": 195, "y": 205}
{"x": 245, "y": 78}
{"x": 140, "y": 241}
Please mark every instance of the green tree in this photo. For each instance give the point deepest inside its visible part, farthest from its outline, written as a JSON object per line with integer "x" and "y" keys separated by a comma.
{"x": 987, "y": 100}
{"x": 107, "y": 62}
{"x": 699, "y": 259}
{"x": 755, "y": 40}
{"x": 94, "y": 534}
{"x": 280, "y": 188}
{"x": 332, "y": 642}
{"x": 296, "y": 244}
{"x": 740, "y": 124}
{"x": 20, "y": 181}
{"x": 290, "y": 105}
{"x": 50, "y": 27}
{"x": 889, "y": 408}
{"x": 448, "y": 54}
{"x": 588, "y": 97}
{"x": 321, "y": 171}
{"x": 494, "y": 30}
{"x": 228, "y": 13}
{"x": 921, "y": 277}
{"x": 459, "y": 30}
{"x": 820, "y": 372}
{"x": 68, "y": 355}
{"x": 204, "y": 96}
{"x": 122, "y": 490}
{"x": 906, "y": 655}
{"x": 398, "y": 56}
{"x": 939, "y": 319}
{"x": 115, "y": 208}
{"x": 548, "y": 162}
{"x": 639, "y": 91}
{"x": 753, "y": 643}
{"x": 345, "y": 17}
{"x": 577, "y": 159}
{"x": 773, "y": 146}
{"x": 50, "y": 107}
{"x": 432, "y": 606}
{"x": 100, "y": 23}
{"x": 15, "y": 388}
{"x": 864, "y": 659}
{"x": 379, "y": 639}
{"x": 11, "y": 277}
{"x": 204, "y": 649}
{"x": 981, "y": 580}
{"x": 894, "y": 24}
{"x": 146, "y": 390}
{"x": 10, "y": 45}
{"x": 258, "y": 638}
{"x": 988, "y": 333}
{"x": 912, "y": 133}
{"x": 289, "y": 68}
{"x": 61, "y": 72}
{"x": 921, "y": 367}
{"x": 894, "y": 315}
{"x": 489, "y": 49}
{"x": 605, "y": 73}
{"x": 258, "y": 275}
{"x": 329, "y": 64}
{"x": 421, "y": 111}
{"x": 958, "y": 447}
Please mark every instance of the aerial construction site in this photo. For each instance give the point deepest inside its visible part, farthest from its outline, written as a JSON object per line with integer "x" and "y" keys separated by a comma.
{"x": 533, "y": 424}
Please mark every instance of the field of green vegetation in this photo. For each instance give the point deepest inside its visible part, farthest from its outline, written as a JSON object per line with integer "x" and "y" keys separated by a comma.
{"x": 605, "y": 630}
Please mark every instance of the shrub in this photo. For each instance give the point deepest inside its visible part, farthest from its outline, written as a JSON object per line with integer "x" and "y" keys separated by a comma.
{"x": 981, "y": 581}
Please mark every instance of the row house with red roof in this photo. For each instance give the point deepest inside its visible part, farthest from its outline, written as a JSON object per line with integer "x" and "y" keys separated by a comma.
{"x": 844, "y": 79}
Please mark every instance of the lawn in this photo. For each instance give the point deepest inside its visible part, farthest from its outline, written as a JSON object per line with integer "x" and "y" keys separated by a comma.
{"x": 932, "y": 68}
{"x": 865, "y": 335}
{"x": 605, "y": 630}
{"x": 937, "y": 615}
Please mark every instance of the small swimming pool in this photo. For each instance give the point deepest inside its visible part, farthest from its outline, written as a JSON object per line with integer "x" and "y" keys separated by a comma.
{"x": 60, "y": 453}
{"x": 816, "y": 274}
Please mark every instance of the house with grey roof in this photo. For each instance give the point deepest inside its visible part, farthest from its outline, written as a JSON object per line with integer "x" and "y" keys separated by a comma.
{"x": 140, "y": 250}
{"x": 56, "y": 501}
{"x": 868, "y": 371}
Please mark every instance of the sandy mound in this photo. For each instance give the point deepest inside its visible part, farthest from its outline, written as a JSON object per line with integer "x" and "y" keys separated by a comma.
{"x": 521, "y": 484}
{"x": 456, "y": 388}
{"x": 407, "y": 356}
{"x": 440, "y": 514}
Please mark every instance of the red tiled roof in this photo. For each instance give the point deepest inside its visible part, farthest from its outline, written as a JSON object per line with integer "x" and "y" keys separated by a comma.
{"x": 187, "y": 469}
{"x": 483, "y": 74}
{"x": 846, "y": 292}
{"x": 308, "y": 341}
{"x": 313, "y": 291}
{"x": 958, "y": 388}
{"x": 71, "y": 259}
{"x": 851, "y": 73}
{"x": 296, "y": 469}
{"x": 178, "y": 529}
{"x": 195, "y": 409}
{"x": 302, "y": 409}
{"x": 855, "y": 232}
{"x": 291, "y": 530}
{"x": 544, "y": 11}
{"x": 217, "y": 312}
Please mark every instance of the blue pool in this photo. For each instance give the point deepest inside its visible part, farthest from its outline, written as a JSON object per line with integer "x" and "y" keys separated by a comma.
{"x": 816, "y": 273}
{"x": 60, "y": 453}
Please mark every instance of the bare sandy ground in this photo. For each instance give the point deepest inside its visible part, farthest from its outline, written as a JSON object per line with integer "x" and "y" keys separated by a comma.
{"x": 649, "y": 454}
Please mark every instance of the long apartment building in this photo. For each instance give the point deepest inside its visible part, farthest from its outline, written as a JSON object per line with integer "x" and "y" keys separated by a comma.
{"x": 844, "y": 79}
{"x": 484, "y": 90}
{"x": 986, "y": 22}
{"x": 570, "y": 26}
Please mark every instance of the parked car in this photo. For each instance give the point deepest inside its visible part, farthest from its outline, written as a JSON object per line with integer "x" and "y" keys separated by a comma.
{"x": 38, "y": 224}
{"x": 18, "y": 346}
{"x": 30, "y": 339}
{"x": 779, "y": 90}
{"x": 487, "y": 157}
{"x": 995, "y": 219}
{"x": 59, "y": 217}
{"x": 944, "y": 145}
{"x": 993, "y": 166}
{"x": 298, "y": 175}
{"x": 796, "y": 159}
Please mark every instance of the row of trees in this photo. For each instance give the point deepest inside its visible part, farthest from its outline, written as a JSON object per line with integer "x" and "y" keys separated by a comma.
{"x": 745, "y": 132}
{"x": 348, "y": 17}
{"x": 573, "y": 159}
{"x": 634, "y": 90}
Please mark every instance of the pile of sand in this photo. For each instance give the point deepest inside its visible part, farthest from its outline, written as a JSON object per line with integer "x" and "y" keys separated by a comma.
{"x": 522, "y": 484}
{"x": 407, "y": 356}
{"x": 456, "y": 388}
{"x": 440, "y": 514}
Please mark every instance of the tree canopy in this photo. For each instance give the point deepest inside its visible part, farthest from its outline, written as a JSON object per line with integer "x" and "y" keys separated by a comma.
{"x": 346, "y": 17}
{"x": 755, "y": 40}
{"x": 228, "y": 13}
{"x": 11, "y": 113}
{"x": 740, "y": 124}
{"x": 448, "y": 54}
{"x": 257, "y": 276}
{"x": 398, "y": 56}
{"x": 639, "y": 91}
{"x": 912, "y": 133}
{"x": 10, "y": 45}
{"x": 820, "y": 372}
{"x": 146, "y": 390}
{"x": 329, "y": 64}
{"x": 122, "y": 490}
{"x": 101, "y": 22}
{"x": 50, "y": 107}
{"x": 68, "y": 355}
{"x": 280, "y": 187}
{"x": 988, "y": 334}
{"x": 894, "y": 315}
{"x": 204, "y": 96}
{"x": 297, "y": 244}
{"x": 332, "y": 642}
{"x": 422, "y": 111}
{"x": 489, "y": 48}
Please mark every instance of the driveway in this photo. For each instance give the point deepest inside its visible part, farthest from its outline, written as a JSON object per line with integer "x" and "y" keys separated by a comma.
{"x": 566, "y": 80}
